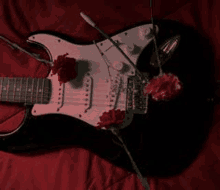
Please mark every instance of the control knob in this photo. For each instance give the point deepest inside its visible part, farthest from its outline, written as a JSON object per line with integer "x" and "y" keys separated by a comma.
{"x": 118, "y": 65}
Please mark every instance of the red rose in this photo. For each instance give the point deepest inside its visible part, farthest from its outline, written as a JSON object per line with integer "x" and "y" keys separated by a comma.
{"x": 110, "y": 118}
{"x": 65, "y": 67}
{"x": 163, "y": 87}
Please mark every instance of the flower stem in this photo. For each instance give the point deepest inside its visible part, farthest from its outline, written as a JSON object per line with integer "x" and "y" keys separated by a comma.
{"x": 140, "y": 176}
{"x": 37, "y": 57}
{"x": 154, "y": 39}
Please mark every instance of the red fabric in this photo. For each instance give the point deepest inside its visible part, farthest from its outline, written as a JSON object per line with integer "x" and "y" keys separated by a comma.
{"x": 75, "y": 168}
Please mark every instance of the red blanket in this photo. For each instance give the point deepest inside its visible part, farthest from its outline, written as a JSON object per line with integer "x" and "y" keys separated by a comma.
{"x": 76, "y": 168}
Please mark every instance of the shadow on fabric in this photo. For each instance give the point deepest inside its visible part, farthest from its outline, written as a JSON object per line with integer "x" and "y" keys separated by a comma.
{"x": 166, "y": 140}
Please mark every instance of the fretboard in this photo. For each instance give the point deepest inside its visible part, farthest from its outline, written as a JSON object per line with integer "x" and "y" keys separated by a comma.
{"x": 25, "y": 90}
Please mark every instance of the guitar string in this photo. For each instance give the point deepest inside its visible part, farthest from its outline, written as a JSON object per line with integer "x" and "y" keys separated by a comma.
{"x": 35, "y": 99}
{"x": 100, "y": 84}
{"x": 47, "y": 90}
{"x": 94, "y": 104}
{"x": 68, "y": 95}
{"x": 119, "y": 106}
{"x": 79, "y": 99}
{"x": 65, "y": 83}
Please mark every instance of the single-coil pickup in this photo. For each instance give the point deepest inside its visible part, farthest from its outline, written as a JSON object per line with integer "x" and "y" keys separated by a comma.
{"x": 114, "y": 90}
{"x": 129, "y": 98}
{"x": 87, "y": 87}
{"x": 60, "y": 96}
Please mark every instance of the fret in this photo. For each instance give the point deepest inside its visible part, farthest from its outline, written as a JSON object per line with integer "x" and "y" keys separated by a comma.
{"x": 10, "y": 90}
{"x": 25, "y": 90}
{"x": 25, "y": 99}
{"x": 23, "y": 93}
{"x": 39, "y": 90}
{"x": 4, "y": 89}
{"x": 7, "y": 92}
{"x": 14, "y": 89}
{"x": 42, "y": 95}
{"x": 47, "y": 91}
{"x": 18, "y": 89}
{"x": 28, "y": 97}
{"x": 1, "y": 86}
{"x": 35, "y": 89}
{"x": 38, "y": 81}
{"x": 32, "y": 90}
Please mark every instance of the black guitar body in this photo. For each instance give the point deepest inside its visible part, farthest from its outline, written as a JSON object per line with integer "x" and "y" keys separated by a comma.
{"x": 163, "y": 142}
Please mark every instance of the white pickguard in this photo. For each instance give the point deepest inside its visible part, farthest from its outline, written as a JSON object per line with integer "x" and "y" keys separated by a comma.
{"x": 93, "y": 74}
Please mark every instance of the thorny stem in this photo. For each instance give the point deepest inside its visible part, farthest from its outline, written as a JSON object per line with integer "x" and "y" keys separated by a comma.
{"x": 154, "y": 39}
{"x": 13, "y": 45}
{"x": 144, "y": 180}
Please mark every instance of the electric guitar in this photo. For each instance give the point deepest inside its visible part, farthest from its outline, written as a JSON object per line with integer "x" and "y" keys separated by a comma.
{"x": 106, "y": 79}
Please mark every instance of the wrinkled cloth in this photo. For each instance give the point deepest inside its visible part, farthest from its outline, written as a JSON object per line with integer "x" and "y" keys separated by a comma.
{"x": 78, "y": 168}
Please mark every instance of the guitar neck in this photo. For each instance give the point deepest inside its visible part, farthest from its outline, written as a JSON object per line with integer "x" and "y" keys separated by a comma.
{"x": 25, "y": 90}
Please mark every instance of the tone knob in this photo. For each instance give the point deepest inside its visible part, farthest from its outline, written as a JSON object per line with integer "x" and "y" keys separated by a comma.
{"x": 130, "y": 47}
{"x": 118, "y": 65}
{"x": 143, "y": 32}
{"x": 146, "y": 33}
{"x": 133, "y": 49}
{"x": 149, "y": 33}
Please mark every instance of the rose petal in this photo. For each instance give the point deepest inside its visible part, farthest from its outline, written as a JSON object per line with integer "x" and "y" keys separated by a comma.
{"x": 163, "y": 87}
{"x": 110, "y": 118}
{"x": 65, "y": 68}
